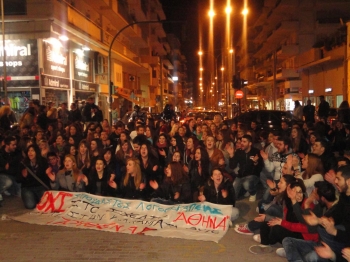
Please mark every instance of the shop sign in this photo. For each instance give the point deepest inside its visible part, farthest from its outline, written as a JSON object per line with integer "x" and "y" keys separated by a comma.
{"x": 56, "y": 60}
{"x": 21, "y": 60}
{"x": 82, "y": 68}
{"x": 57, "y": 82}
{"x": 83, "y": 86}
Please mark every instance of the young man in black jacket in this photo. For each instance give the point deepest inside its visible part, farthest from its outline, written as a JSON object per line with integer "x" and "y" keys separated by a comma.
{"x": 250, "y": 164}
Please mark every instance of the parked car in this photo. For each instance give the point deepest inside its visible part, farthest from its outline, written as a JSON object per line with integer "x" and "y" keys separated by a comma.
{"x": 265, "y": 119}
{"x": 206, "y": 116}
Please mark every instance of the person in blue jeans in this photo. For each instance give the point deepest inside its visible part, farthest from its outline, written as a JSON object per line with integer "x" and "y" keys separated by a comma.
{"x": 250, "y": 165}
{"x": 10, "y": 158}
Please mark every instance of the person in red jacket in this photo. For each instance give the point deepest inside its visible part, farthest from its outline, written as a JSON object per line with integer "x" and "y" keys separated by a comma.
{"x": 289, "y": 226}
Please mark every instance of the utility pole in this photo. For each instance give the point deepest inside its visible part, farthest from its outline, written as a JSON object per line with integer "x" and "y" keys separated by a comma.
{"x": 4, "y": 80}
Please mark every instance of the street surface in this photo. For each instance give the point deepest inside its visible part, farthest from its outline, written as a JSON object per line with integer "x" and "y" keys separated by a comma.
{"x": 27, "y": 242}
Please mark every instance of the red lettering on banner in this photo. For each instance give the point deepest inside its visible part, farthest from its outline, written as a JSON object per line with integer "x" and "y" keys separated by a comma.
{"x": 145, "y": 230}
{"x": 194, "y": 220}
{"x": 132, "y": 229}
{"x": 205, "y": 221}
{"x": 48, "y": 201}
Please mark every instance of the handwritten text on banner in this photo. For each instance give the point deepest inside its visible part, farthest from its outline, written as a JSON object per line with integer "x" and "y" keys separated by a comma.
{"x": 199, "y": 221}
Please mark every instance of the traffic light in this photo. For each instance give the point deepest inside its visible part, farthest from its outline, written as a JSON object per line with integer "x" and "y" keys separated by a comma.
{"x": 237, "y": 84}
{"x": 244, "y": 82}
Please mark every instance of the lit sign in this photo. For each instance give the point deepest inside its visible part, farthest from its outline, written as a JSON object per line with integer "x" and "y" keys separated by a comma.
{"x": 329, "y": 89}
{"x": 311, "y": 91}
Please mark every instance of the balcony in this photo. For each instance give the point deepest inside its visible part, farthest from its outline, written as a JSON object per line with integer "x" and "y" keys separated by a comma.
{"x": 308, "y": 57}
{"x": 282, "y": 30}
{"x": 284, "y": 73}
{"x": 287, "y": 51}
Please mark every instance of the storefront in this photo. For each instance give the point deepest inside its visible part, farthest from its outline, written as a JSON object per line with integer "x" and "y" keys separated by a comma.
{"x": 22, "y": 72}
{"x": 83, "y": 80}
{"x": 54, "y": 89}
{"x": 55, "y": 75}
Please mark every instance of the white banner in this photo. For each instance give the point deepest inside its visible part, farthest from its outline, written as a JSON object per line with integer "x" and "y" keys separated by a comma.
{"x": 198, "y": 221}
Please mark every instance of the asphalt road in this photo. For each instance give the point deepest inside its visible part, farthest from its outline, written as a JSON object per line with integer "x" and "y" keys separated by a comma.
{"x": 28, "y": 242}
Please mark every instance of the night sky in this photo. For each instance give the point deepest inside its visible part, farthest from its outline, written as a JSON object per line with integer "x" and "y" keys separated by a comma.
{"x": 188, "y": 33}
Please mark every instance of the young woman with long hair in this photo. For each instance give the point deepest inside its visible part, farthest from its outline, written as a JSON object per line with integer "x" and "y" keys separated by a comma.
{"x": 101, "y": 178}
{"x": 199, "y": 171}
{"x": 124, "y": 153}
{"x": 96, "y": 149}
{"x": 133, "y": 183}
{"x": 70, "y": 178}
{"x": 314, "y": 171}
{"x": 299, "y": 144}
{"x": 218, "y": 191}
{"x": 83, "y": 157}
{"x": 189, "y": 151}
{"x": 33, "y": 190}
{"x": 174, "y": 189}
{"x": 149, "y": 163}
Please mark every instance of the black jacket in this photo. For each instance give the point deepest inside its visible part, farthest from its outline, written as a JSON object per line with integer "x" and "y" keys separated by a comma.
{"x": 246, "y": 164}
{"x": 130, "y": 191}
{"x": 39, "y": 170}
{"x": 167, "y": 191}
{"x": 74, "y": 115}
{"x": 213, "y": 196}
{"x": 13, "y": 159}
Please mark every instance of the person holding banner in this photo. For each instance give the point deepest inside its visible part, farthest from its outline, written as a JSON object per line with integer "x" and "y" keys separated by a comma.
{"x": 70, "y": 178}
{"x": 175, "y": 188}
{"x": 34, "y": 181}
{"x": 218, "y": 191}
{"x": 133, "y": 182}
{"x": 100, "y": 179}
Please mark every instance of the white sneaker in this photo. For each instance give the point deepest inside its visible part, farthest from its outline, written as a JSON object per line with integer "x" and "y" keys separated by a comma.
{"x": 252, "y": 198}
{"x": 281, "y": 252}
{"x": 257, "y": 238}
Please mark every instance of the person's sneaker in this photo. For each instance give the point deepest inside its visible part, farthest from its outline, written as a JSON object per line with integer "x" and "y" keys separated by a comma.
{"x": 252, "y": 198}
{"x": 243, "y": 229}
{"x": 7, "y": 193}
{"x": 257, "y": 238}
{"x": 246, "y": 194}
{"x": 281, "y": 252}
{"x": 260, "y": 249}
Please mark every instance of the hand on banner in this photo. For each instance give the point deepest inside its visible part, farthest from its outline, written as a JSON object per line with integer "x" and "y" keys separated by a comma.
{"x": 153, "y": 184}
{"x": 177, "y": 195}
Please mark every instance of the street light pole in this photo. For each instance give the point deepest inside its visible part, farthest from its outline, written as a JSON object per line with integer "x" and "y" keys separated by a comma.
{"x": 4, "y": 81}
{"x": 110, "y": 55}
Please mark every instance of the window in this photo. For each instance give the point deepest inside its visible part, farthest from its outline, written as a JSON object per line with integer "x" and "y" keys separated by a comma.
{"x": 15, "y": 7}
{"x": 339, "y": 100}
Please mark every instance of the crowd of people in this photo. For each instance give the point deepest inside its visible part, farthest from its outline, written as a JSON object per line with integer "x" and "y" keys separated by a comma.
{"x": 303, "y": 169}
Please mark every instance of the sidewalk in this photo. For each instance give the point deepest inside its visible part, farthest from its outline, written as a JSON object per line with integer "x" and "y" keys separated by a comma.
{"x": 27, "y": 242}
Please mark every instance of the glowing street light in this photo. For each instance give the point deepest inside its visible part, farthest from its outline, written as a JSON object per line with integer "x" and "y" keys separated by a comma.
{"x": 211, "y": 13}
{"x": 228, "y": 9}
{"x": 245, "y": 11}
{"x": 201, "y": 69}
{"x": 222, "y": 68}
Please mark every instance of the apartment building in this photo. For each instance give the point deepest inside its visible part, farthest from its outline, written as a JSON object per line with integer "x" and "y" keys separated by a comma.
{"x": 296, "y": 50}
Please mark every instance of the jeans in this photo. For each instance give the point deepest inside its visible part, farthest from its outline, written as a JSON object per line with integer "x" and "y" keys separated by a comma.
{"x": 302, "y": 250}
{"x": 8, "y": 183}
{"x": 299, "y": 250}
{"x": 32, "y": 195}
{"x": 5, "y": 182}
{"x": 276, "y": 234}
{"x": 249, "y": 183}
